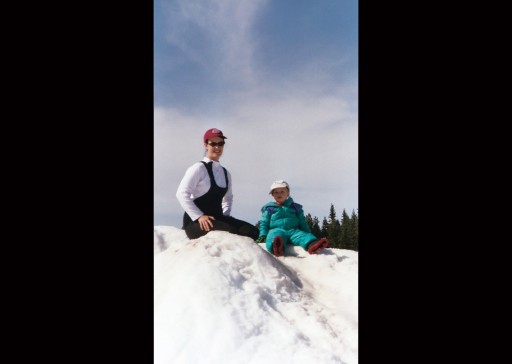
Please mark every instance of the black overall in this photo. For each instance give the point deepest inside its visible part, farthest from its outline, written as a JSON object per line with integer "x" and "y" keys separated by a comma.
{"x": 211, "y": 204}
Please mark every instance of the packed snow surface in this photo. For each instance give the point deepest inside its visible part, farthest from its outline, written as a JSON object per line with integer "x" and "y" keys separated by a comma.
{"x": 223, "y": 299}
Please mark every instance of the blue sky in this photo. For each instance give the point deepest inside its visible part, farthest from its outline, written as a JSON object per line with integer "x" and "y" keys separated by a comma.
{"x": 279, "y": 78}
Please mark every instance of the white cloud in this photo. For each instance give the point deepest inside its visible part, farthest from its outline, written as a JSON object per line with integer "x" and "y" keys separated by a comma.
{"x": 301, "y": 126}
{"x": 309, "y": 140}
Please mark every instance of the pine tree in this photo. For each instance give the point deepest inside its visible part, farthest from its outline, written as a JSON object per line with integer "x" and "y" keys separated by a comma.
{"x": 354, "y": 231}
{"x": 309, "y": 221}
{"x": 324, "y": 232}
{"x": 333, "y": 229}
{"x": 345, "y": 241}
{"x": 316, "y": 228}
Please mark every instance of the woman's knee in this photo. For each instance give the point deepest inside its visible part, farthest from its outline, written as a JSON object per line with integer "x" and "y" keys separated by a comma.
{"x": 224, "y": 226}
{"x": 249, "y": 230}
{"x": 194, "y": 231}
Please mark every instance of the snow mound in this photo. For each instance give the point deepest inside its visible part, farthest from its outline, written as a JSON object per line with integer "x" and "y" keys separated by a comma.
{"x": 224, "y": 299}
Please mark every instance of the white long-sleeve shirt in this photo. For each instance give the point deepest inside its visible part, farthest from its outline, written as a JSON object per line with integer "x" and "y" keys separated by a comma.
{"x": 196, "y": 183}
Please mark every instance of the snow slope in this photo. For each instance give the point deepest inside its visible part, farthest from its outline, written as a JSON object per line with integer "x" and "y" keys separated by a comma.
{"x": 224, "y": 299}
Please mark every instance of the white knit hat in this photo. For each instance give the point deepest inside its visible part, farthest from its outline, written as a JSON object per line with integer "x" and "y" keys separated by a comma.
{"x": 279, "y": 184}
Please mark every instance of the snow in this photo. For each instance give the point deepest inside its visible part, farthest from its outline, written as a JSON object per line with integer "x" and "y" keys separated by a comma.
{"x": 224, "y": 299}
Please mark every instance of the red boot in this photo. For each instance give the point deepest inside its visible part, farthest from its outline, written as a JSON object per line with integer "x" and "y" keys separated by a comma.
{"x": 278, "y": 246}
{"x": 315, "y": 247}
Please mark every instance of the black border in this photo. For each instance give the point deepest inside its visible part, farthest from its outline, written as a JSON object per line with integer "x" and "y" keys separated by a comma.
{"x": 84, "y": 217}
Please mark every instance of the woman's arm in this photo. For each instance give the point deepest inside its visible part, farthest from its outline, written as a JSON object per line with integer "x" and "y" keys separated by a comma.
{"x": 188, "y": 188}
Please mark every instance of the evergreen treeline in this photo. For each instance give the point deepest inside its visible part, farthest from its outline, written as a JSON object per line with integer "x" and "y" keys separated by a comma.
{"x": 341, "y": 233}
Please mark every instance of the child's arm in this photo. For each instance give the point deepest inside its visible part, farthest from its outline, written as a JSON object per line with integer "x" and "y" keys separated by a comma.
{"x": 264, "y": 222}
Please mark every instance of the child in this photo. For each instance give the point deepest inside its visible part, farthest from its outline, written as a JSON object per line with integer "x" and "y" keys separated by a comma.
{"x": 283, "y": 222}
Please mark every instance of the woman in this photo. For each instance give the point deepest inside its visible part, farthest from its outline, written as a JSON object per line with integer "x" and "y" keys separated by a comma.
{"x": 205, "y": 193}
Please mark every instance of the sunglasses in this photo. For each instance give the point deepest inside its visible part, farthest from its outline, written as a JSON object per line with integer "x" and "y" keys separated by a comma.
{"x": 220, "y": 144}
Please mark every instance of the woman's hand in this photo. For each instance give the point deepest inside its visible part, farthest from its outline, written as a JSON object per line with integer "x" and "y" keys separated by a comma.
{"x": 205, "y": 222}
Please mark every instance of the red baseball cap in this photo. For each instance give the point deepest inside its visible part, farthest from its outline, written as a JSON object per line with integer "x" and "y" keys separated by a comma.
{"x": 212, "y": 133}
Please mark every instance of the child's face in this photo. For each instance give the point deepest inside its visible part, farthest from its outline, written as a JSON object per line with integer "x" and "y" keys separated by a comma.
{"x": 280, "y": 194}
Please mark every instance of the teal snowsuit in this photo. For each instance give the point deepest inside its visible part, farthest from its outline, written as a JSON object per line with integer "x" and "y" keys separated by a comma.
{"x": 287, "y": 221}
